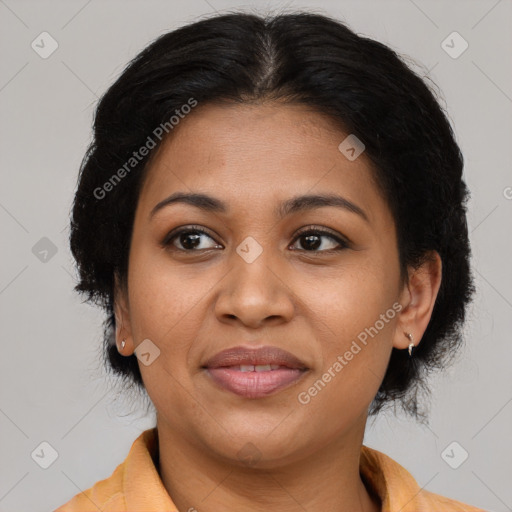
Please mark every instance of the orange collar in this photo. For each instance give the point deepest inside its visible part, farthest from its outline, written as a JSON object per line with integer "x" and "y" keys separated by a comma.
{"x": 136, "y": 486}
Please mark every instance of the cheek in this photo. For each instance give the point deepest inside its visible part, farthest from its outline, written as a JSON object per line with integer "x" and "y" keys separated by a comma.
{"x": 165, "y": 301}
{"x": 345, "y": 301}
{"x": 352, "y": 367}
{"x": 354, "y": 322}
{"x": 165, "y": 307}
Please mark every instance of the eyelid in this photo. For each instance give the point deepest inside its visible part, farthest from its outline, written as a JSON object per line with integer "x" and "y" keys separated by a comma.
{"x": 187, "y": 227}
{"x": 325, "y": 232}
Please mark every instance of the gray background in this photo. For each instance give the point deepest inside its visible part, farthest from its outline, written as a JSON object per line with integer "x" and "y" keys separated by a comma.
{"x": 52, "y": 387}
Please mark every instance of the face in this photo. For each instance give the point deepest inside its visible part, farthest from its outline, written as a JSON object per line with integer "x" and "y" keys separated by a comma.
{"x": 244, "y": 269}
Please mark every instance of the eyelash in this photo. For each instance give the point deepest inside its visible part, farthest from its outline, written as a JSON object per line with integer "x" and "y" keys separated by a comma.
{"x": 310, "y": 230}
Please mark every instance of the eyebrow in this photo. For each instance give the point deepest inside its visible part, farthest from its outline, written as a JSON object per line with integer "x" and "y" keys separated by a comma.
{"x": 295, "y": 204}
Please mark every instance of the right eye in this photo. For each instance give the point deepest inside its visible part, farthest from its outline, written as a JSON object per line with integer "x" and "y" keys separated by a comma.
{"x": 189, "y": 240}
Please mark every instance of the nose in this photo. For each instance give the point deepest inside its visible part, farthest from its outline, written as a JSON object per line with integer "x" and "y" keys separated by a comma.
{"x": 255, "y": 294}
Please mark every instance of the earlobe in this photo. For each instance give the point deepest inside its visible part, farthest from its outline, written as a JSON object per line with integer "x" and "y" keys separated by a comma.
{"x": 418, "y": 300}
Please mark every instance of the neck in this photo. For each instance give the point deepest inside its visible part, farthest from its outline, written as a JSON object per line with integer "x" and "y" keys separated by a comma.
{"x": 326, "y": 480}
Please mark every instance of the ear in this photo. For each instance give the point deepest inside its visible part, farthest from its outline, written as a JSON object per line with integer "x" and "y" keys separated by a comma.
{"x": 122, "y": 316}
{"x": 417, "y": 299}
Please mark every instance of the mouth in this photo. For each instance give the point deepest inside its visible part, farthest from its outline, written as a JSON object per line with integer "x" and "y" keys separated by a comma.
{"x": 254, "y": 373}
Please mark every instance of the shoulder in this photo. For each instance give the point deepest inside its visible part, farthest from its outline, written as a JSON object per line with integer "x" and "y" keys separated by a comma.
{"x": 398, "y": 490}
{"x": 134, "y": 484}
{"x": 438, "y": 502}
{"x": 105, "y": 493}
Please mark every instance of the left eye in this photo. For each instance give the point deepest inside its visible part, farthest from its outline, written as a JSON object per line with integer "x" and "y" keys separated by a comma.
{"x": 313, "y": 241}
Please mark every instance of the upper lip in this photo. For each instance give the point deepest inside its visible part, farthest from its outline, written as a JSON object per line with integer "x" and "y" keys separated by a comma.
{"x": 237, "y": 356}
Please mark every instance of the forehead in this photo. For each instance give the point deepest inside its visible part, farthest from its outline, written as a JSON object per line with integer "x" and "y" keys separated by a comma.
{"x": 257, "y": 152}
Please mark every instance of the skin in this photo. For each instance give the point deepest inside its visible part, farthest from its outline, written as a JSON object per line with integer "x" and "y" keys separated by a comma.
{"x": 309, "y": 302}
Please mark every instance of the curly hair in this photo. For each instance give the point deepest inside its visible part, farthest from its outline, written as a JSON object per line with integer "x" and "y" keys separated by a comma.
{"x": 309, "y": 59}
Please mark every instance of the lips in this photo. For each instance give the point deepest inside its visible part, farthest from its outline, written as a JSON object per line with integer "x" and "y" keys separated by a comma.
{"x": 242, "y": 356}
{"x": 254, "y": 373}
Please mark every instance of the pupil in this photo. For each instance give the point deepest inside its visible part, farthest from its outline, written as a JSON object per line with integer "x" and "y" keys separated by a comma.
{"x": 313, "y": 242}
{"x": 187, "y": 236}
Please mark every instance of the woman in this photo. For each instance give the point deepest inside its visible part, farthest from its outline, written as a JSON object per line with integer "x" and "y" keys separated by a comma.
{"x": 272, "y": 213}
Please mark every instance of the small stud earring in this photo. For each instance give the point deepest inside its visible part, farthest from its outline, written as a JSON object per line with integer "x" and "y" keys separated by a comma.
{"x": 123, "y": 343}
{"x": 411, "y": 345}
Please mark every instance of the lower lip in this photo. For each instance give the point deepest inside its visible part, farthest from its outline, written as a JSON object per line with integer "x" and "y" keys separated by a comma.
{"x": 254, "y": 384}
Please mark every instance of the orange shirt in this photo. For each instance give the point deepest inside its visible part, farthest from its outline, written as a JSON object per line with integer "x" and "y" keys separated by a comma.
{"x": 135, "y": 485}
